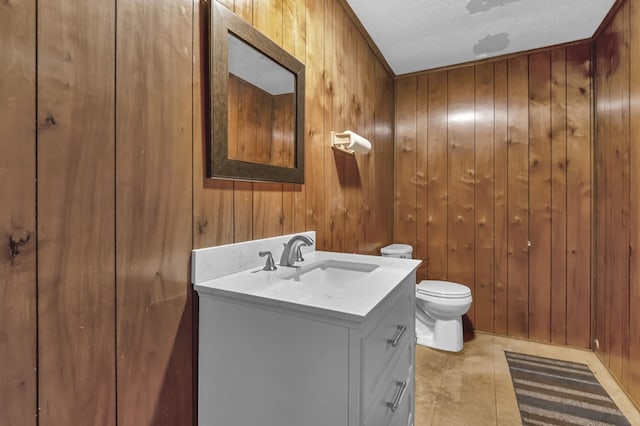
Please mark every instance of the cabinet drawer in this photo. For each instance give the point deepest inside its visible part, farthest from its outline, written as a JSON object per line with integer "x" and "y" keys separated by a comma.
{"x": 391, "y": 335}
{"x": 393, "y": 405}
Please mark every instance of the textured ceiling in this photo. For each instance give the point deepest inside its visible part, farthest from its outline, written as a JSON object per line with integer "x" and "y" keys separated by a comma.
{"x": 417, "y": 35}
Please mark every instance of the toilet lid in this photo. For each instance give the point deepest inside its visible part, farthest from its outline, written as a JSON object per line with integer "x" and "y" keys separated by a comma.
{"x": 443, "y": 289}
{"x": 395, "y": 249}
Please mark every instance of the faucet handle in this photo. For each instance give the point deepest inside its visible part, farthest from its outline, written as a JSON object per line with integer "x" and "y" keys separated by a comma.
{"x": 270, "y": 265}
{"x": 299, "y": 257}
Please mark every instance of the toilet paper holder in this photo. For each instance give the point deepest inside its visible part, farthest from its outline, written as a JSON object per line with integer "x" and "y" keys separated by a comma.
{"x": 350, "y": 143}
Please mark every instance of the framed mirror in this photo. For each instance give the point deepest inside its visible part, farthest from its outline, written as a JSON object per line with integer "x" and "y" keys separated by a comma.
{"x": 256, "y": 104}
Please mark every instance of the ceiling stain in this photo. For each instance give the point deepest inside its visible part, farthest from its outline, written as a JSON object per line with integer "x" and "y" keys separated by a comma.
{"x": 491, "y": 43}
{"x": 477, "y": 6}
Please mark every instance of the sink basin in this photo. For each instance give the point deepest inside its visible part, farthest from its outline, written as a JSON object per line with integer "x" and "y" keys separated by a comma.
{"x": 331, "y": 271}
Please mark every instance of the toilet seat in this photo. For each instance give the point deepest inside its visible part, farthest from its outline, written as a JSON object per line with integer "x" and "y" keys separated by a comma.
{"x": 443, "y": 289}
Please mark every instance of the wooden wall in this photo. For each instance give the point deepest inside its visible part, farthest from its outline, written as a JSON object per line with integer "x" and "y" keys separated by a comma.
{"x": 617, "y": 52}
{"x": 490, "y": 157}
{"x": 260, "y": 125}
{"x": 104, "y": 195}
{"x": 346, "y": 200}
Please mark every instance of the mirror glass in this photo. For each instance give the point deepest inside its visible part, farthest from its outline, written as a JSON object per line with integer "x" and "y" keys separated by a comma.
{"x": 261, "y": 104}
{"x": 256, "y": 99}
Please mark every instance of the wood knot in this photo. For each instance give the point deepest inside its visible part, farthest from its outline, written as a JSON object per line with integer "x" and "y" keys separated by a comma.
{"x": 51, "y": 120}
{"x": 201, "y": 226}
{"x": 15, "y": 245}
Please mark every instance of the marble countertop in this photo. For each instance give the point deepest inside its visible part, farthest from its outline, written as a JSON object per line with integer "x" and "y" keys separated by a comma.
{"x": 352, "y": 299}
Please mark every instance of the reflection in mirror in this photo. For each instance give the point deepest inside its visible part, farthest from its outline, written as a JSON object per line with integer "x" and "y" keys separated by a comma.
{"x": 261, "y": 104}
{"x": 256, "y": 98}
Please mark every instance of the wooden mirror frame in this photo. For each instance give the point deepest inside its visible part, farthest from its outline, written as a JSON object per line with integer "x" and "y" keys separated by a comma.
{"x": 219, "y": 165}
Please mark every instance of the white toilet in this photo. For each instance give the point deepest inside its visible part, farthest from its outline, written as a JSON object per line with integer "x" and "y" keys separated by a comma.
{"x": 439, "y": 307}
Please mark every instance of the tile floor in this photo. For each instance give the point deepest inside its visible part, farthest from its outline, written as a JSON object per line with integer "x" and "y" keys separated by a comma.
{"x": 474, "y": 387}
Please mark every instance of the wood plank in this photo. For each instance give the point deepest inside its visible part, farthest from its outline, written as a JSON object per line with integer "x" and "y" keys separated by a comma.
{"x": 437, "y": 218}
{"x": 244, "y": 9}
{"x": 461, "y": 178}
{"x": 611, "y": 216}
{"x": 384, "y": 158}
{"x": 540, "y": 196}
{"x": 405, "y": 168}
{"x": 267, "y": 197}
{"x": 300, "y": 49}
{"x": 212, "y": 198}
{"x": 370, "y": 228}
{"x": 618, "y": 231}
{"x": 500, "y": 198}
{"x": 366, "y": 100}
{"x": 282, "y": 136}
{"x": 243, "y": 191}
{"x": 294, "y": 28}
{"x": 330, "y": 90}
{"x": 336, "y": 88}
{"x": 616, "y": 278}
{"x": 624, "y": 304}
{"x": 293, "y": 40}
{"x": 17, "y": 214}
{"x": 353, "y": 121}
{"x": 558, "y": 196}
{"x": 267, "y": 209}
{"x": 76, "y": 376}
{"x": 484, "y": 202}
{"x": 315, "y": 134}
{"x": 518, "y": 197}
{"x": 603, "y": 195}
{"x": 267, "y": 18}
{"x": 422, "y": 169}
{"x": 579, "y": 160}
{"x": 626, "y": 217}
{"x": 242, "y": 211}
{"x": 634, "y": 224}
{"x": 293, "y": 205}
{"x": 226, "y": 3}
{"x": 154, "y": 213}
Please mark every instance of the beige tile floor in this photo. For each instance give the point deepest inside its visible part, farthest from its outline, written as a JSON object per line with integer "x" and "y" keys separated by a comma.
{"x": 474, "y": 387}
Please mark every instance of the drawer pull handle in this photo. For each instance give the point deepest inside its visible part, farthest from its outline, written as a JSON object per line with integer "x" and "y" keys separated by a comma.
{"x": 399, "y": 333}
{"x": 398, "y": 399}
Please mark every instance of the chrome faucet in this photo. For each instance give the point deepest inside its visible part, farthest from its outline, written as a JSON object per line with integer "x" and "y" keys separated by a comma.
{"x": 292, "y": 252}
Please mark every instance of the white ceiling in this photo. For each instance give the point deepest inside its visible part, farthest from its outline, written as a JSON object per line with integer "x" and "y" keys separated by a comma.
{"x": 417, "y": 35}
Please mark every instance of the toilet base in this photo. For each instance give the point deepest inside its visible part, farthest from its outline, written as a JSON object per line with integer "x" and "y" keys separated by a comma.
{"x": 446, "y": 335}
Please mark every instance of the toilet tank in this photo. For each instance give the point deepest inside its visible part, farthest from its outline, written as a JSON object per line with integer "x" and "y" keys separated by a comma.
{"x": 404, "y": 251}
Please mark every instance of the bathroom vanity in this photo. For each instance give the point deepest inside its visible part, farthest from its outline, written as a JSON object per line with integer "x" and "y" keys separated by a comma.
{"x": 328, "y": 342}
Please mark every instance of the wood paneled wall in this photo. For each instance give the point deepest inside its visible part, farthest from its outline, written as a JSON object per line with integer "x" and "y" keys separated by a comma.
{"x": 104, "y": 194}
{"x": 617, "y": 52}
{"x": 493, "y": 187}
{"x": 346, "y": 200}
{"x": 260, "y": 125}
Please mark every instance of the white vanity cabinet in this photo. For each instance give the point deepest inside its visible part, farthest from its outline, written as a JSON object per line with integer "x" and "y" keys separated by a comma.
{"x": 271, "y": 365}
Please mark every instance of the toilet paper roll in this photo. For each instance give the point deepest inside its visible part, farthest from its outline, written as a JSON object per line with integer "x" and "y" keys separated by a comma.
{"x": 357, "y": 143}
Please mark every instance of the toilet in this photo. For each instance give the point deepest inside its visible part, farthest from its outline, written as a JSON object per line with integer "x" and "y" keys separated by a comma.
{"x": 439, "y": 307}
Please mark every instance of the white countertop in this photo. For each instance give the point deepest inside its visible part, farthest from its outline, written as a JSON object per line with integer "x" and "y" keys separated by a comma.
{"x": 351, "y": 300}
